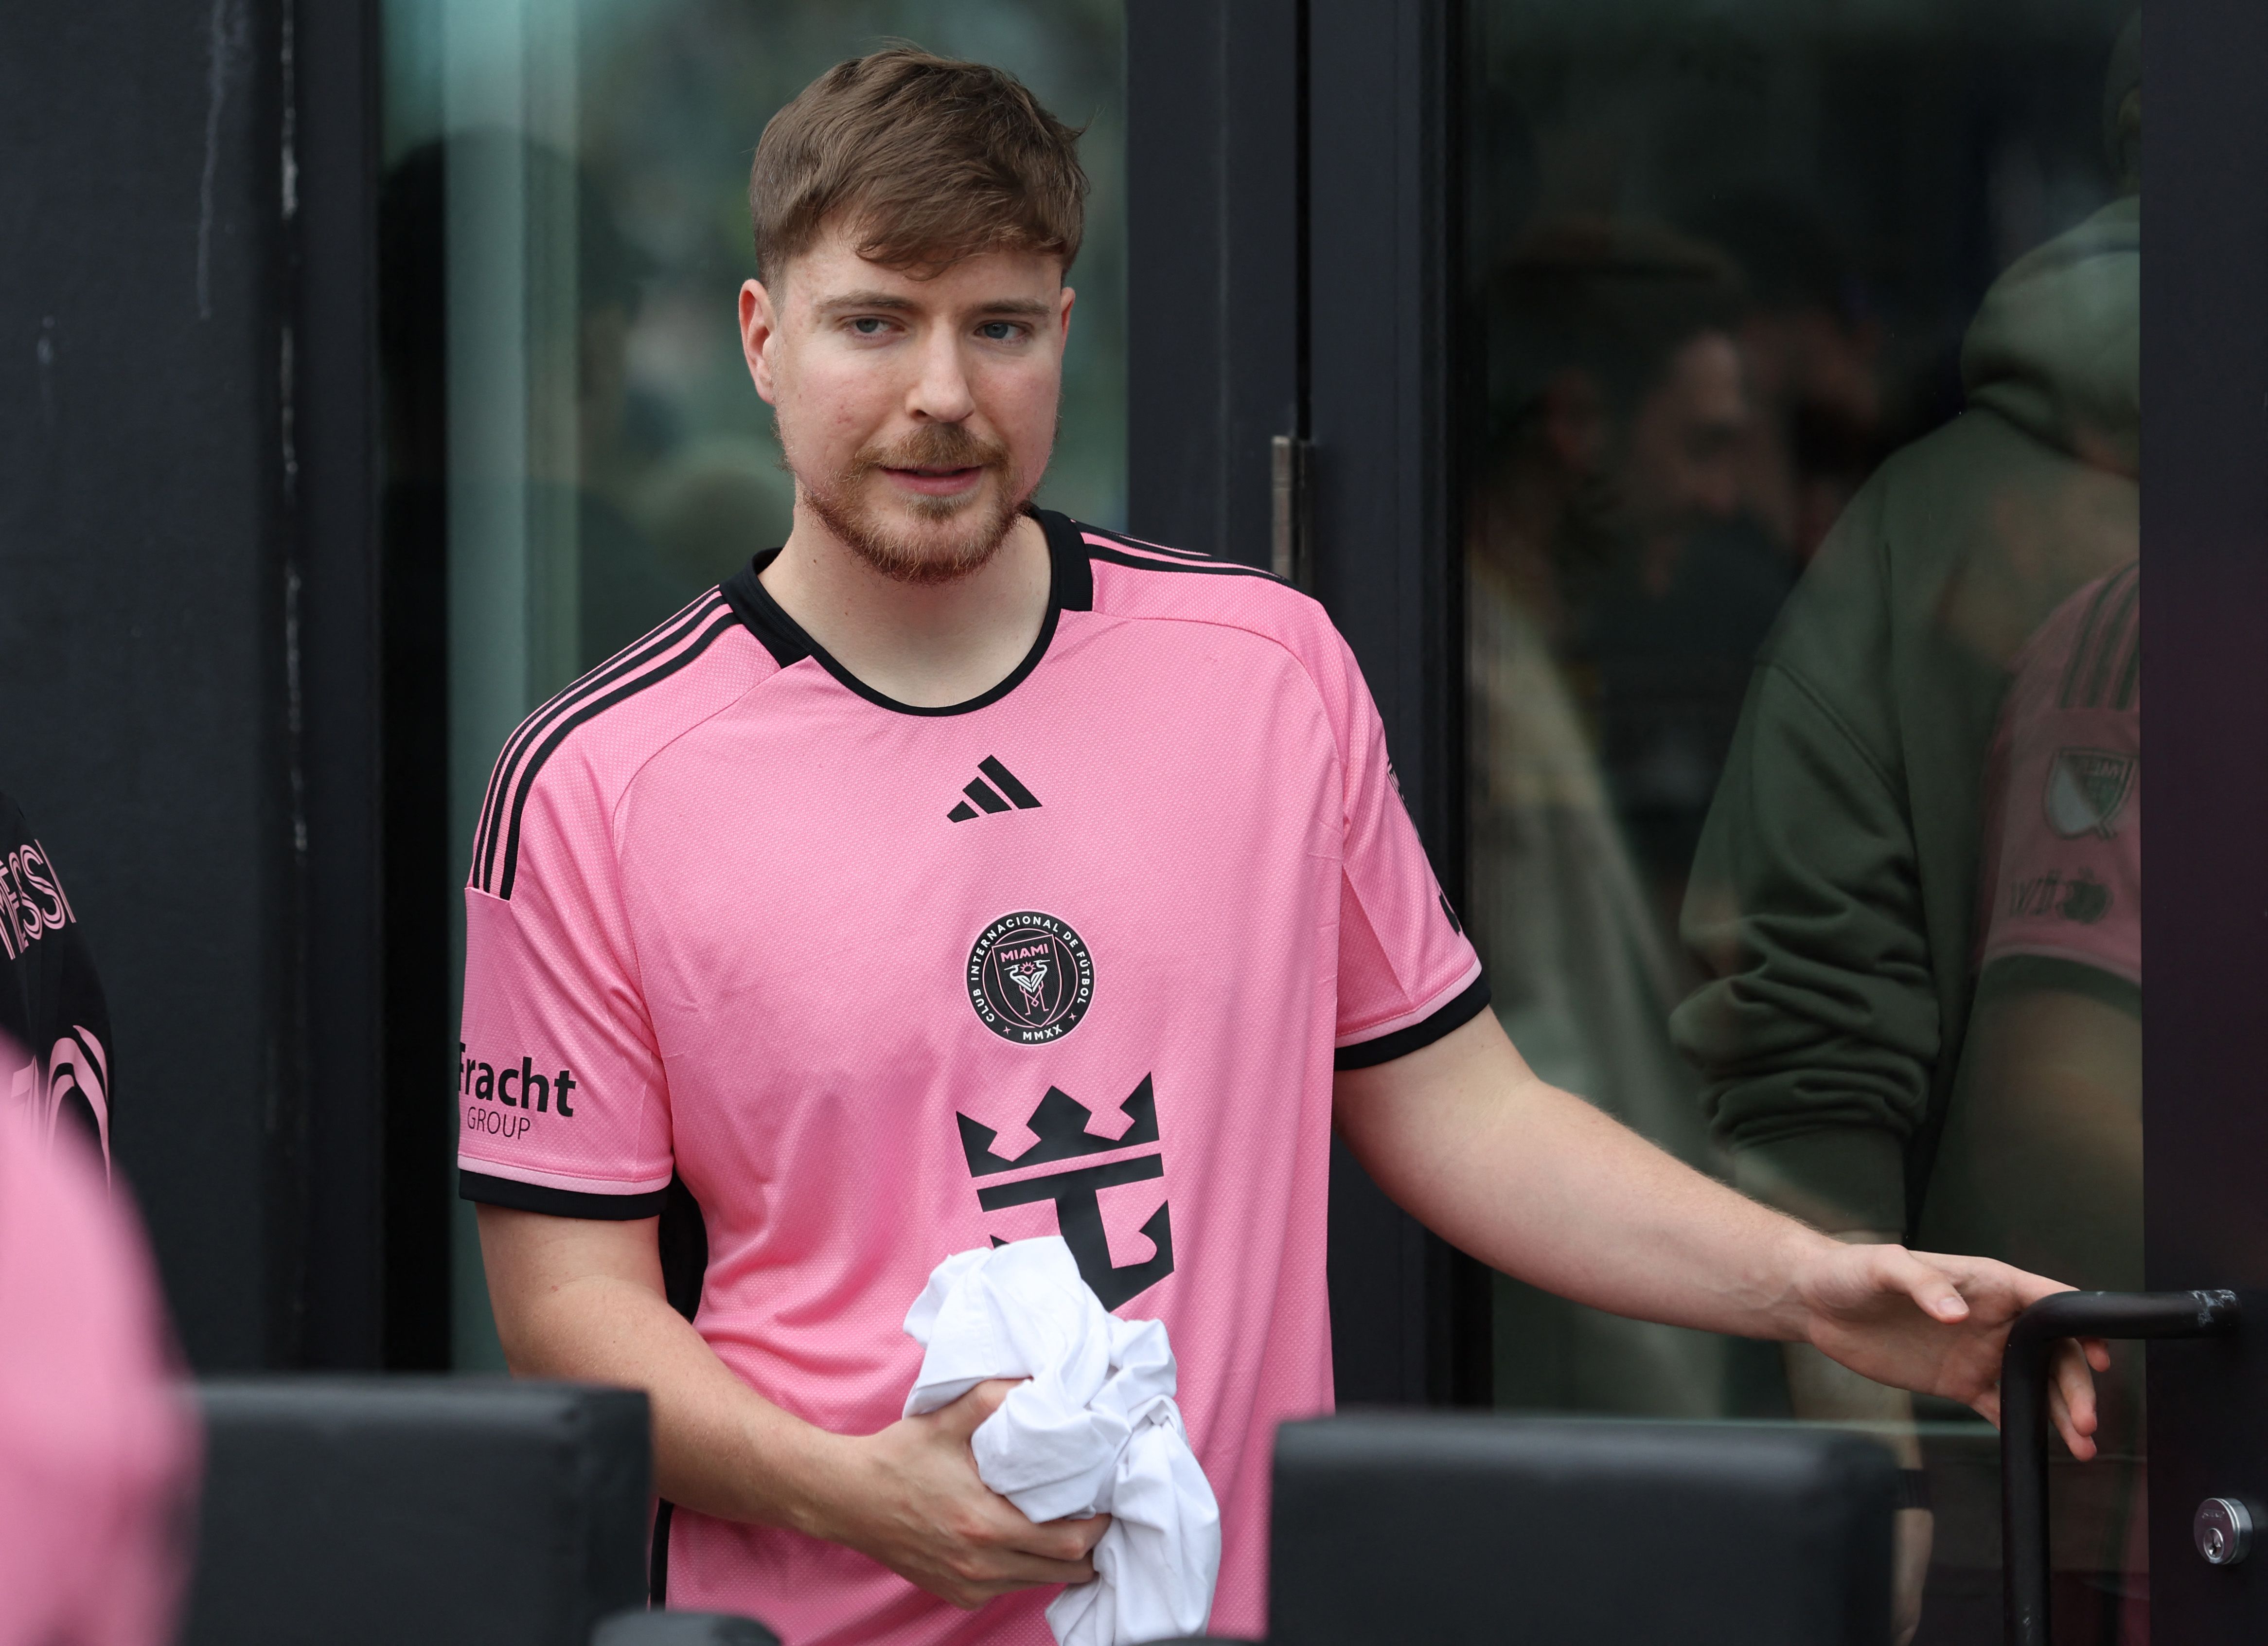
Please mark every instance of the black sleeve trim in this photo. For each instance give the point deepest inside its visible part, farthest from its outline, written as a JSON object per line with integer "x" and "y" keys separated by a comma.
{"x": 1369, "y": 1054}
{"x": 657, "y": 1564}
{"x": 537, "y": 1196}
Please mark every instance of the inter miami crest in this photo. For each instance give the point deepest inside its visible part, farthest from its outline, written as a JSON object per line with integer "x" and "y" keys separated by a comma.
{"x": 2087, "y": 791}
{"x": 1030, "y": 978}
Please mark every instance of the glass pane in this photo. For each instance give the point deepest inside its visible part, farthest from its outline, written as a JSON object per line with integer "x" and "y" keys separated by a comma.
{"x": 1801, "y": 561}
{"x": 575, "y": 451}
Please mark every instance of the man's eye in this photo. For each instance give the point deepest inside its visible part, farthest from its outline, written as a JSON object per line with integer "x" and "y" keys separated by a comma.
{"x": 869, "y": 325}
{"x": 999, "y": 331}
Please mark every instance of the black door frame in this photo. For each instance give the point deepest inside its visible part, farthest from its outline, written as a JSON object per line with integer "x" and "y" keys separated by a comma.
{"x": 1293, "y": 272}
{"x": 330, "y": 475}
{"x": 2205, "y": 520}
{"x": 370, "y": 1194}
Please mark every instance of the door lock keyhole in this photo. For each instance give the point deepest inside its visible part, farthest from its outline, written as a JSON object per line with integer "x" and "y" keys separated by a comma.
{"x": 2223, "y": 1530}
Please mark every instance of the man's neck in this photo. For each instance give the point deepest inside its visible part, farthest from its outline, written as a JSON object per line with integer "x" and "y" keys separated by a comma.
{"x": 928, "y": 646}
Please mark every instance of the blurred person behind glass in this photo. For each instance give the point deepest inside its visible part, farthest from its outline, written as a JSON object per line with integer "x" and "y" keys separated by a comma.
{"x": 1850, "y": 883}
{"x": 1616, "y": 405}
{"x": 1811, "y": 349}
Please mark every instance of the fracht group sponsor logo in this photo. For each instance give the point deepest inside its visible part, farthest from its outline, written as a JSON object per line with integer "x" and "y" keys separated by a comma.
{"x": 522, "y": 1089}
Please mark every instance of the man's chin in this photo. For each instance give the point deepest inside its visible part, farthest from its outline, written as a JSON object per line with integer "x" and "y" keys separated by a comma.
{"x": 925, "y": 566}
{"x": 923, "y": 546}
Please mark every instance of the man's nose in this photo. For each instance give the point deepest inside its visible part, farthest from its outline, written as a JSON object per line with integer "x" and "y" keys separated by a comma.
{"x": 941, "y": 392}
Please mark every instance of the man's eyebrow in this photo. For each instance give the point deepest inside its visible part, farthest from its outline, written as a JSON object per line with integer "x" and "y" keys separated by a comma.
{"x": 867, "y": 299}
{"x": 1023, "y": 307}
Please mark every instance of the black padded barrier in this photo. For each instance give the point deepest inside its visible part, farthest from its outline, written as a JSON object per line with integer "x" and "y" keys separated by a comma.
{"x": 364, "y": 1511}
{"x": 681, "y": 1628}
{"x": 1448, "y": 1529}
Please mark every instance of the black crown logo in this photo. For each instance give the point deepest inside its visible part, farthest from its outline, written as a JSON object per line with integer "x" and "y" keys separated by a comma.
{"x": 1059, "y": 1122}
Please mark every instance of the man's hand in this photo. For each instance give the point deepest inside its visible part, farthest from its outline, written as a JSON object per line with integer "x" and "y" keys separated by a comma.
{"x": 582, "y": 1298}
{"x": 1937, "y": 1324}
{"x": 911, "y": 1498}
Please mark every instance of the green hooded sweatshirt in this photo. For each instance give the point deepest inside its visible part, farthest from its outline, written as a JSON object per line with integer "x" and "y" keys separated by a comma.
{"x": 1833, "y": 899}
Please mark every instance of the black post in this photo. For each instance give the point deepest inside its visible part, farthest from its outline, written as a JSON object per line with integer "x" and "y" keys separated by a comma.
{"x": 332, "y": 466}
{"x": 2024, "y": 1370}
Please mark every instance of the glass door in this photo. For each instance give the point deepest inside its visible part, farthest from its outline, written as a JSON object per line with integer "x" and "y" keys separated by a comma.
{"x": 1800, "y": 531}
{"x": 1801, "y": 561}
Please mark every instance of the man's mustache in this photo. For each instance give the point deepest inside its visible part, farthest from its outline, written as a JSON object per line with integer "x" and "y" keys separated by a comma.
{"x": 935, "y": 446}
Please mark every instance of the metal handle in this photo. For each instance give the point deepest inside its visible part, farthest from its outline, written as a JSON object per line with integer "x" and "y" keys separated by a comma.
{"x": 1288, "y": 508}
{"x": 2024, "y": 1368}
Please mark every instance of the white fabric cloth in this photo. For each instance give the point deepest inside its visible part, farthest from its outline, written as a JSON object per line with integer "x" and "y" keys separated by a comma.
{"x": 1094, "y": 1430}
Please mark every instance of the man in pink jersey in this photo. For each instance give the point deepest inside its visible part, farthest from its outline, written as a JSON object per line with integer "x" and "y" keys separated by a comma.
{"x": 958, "y": 874}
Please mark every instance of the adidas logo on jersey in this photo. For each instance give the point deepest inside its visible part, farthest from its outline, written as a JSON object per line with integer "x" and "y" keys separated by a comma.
{"x": 990, "y": 795}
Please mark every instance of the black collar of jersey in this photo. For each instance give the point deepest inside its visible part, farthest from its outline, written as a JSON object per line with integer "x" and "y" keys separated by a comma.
{"x": 1071, "y": 588}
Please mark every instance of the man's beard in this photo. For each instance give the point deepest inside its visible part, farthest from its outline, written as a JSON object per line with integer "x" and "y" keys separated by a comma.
{"x": 962, "y": 533}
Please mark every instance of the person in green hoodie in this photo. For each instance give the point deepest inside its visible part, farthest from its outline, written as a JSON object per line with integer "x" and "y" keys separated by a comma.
{"x": 1849, "y": 1066}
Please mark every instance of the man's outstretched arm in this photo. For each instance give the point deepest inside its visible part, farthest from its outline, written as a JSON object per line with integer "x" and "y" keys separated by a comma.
{"x": 1536, "y": 1183}
{"x": 583, "y": 1299}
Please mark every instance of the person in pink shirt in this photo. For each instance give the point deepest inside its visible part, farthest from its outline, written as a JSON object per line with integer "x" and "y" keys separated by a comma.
{"x": 2040, "y": 1162}
{"x": 958, "y": 873}
{"x": 97, "y": 1450}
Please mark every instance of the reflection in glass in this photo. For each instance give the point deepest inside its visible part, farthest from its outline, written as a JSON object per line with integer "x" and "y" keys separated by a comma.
{"x": 574, "y": 449}
{"x": 1801, "y": 585}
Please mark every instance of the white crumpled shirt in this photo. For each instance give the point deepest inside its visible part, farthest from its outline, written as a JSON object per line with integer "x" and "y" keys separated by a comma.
{"x": 1094, "y": 1430}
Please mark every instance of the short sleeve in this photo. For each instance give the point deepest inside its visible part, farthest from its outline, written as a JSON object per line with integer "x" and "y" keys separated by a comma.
{"x": 562, "y": 1103}
{"x": 1407, "y": 974}
{"x": 2063, "y": 844}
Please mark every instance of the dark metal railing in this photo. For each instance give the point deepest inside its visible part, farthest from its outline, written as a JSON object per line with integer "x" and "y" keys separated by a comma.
{"x": 2024, "y": 1370}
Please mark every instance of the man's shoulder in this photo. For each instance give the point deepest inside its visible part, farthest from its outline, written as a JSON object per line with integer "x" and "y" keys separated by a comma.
{"x": 586, "y": 744}
{"x": 1134, "y": 578}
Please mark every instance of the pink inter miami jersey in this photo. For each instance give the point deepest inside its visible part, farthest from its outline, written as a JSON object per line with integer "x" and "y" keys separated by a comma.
{"x": 2063, "y": 851}
{"x": 883, "y": 984}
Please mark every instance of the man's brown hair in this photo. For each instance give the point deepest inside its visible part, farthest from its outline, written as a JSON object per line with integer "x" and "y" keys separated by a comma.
{"x": 928, "y": 159}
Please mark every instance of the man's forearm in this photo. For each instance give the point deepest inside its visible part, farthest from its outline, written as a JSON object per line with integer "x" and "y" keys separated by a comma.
{"x": 719, "y": 1447}
{"x": 583, "y": 1299}
{"x": 1538, "y": 1184}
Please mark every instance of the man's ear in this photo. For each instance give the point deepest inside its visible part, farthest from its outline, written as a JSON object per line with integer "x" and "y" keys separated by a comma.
{"x": 1062, "y": 314}
{"x": 759, "y": 326}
